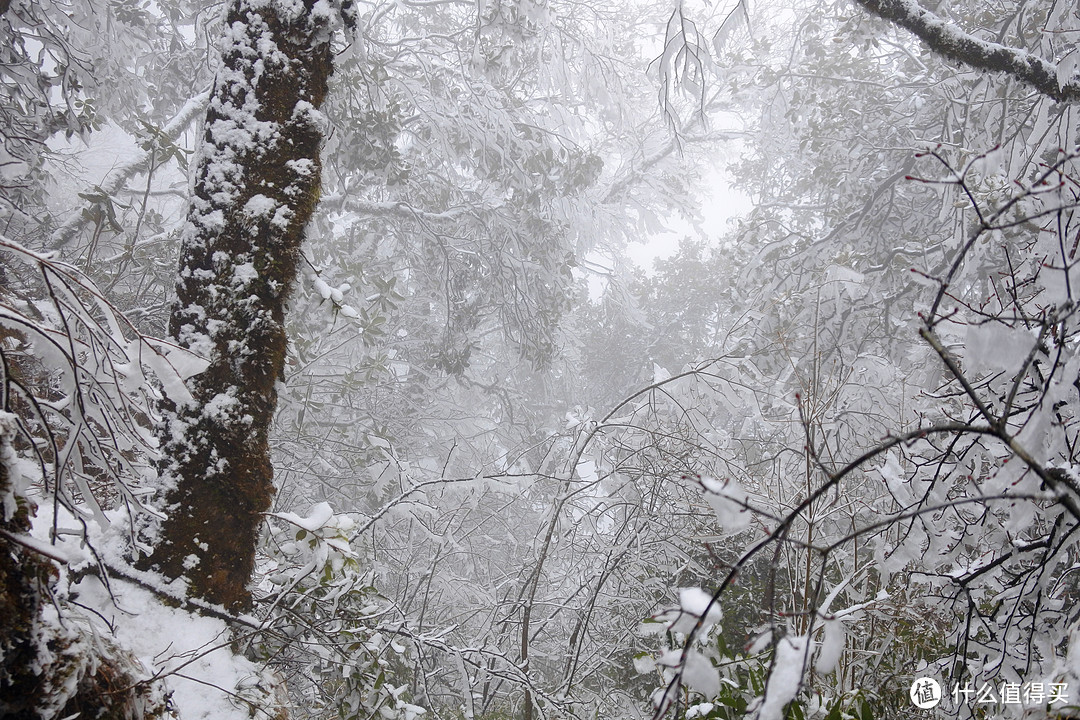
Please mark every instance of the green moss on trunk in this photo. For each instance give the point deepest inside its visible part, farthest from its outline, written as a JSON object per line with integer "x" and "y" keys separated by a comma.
{"x": 24, "y": 578}
{"x": 257, "y": 187}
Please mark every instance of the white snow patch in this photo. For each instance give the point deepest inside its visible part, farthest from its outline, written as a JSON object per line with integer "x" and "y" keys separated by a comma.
{"x": 282, "y": 218}
{"x": 693, "y": 604}
{"x": 832, "y": 646}
{"x": 317, "y": 517}
{"x": 729, "y": 502}
{"x": 198, "y": 343}
{"x": 700, "y": 676}
{"x": 244, "y": 274}
{"x": 18, "y": 483}
{"x": 1066, "y": 69}
{"x": 322, "y": 287}
{"x": 306, "y": 112}
{"x": 785, "y": 678}
{"x": 260, "y": 206}
{"x": 303, "y": 167}
{"x": 699, "y": 710}
{"x": 659, "y": 374}
{"x": 221, "y": 406}
{"x": 213, "y": 221}
{"x": 172, "y": 367}
{"x": 644, "y": 664}
{"x": 190, "y": 651}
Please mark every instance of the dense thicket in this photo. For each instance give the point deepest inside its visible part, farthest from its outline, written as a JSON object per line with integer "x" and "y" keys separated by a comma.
{"x": 821, "y": 453}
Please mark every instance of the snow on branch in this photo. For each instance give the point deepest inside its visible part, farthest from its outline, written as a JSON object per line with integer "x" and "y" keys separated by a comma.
{"x": 171, "y": 132}
{"x": 1058, "y": 82}
{"x": 83, "y": 383}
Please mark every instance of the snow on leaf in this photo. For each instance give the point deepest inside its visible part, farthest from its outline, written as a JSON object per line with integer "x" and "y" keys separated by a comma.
{"x": 1066, "y": 69}
{"x": 759, "y": 643}
{"x": 729, "y": 501}
{"x": 321, "y": 287}
{"x": 699, "y": 674}
{"x": 171, "y": 367}
{"x": 659, "y": 374}
{"x": 785, "y": 679}
{"x": 895, "y": 479}
{"x": 693, "y": 604}
{"x": 699, "y": 710}
{"x": 832, "y": 646}
{"x": 317, "y": 517}
{"x": 644, "y": 664}
{"x": 186, "y": 364}
{"x": 410, "y": 712}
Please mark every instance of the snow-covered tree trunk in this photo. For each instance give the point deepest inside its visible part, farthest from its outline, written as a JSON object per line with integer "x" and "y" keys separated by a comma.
{"x": 22, "y": 578}
{"x": 256, "y": 187}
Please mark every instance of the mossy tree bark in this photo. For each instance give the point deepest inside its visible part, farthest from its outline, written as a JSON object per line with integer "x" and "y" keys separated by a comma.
{"x": 257, "y": 186}
{"x": 24, "y": 578}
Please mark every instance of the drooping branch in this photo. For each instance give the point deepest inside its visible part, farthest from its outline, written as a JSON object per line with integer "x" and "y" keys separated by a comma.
{"x": 952, "y": 43}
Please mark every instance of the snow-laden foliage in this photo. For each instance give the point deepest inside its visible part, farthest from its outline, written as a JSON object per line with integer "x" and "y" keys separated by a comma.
{"x": 84, "y": 384}
{"x": 900, "y": 305}
{"x": 77, "y": 385}
{"x": 815, "y": 474}
{"x": 477, "y": 153}
{"x": 324, "y": 627}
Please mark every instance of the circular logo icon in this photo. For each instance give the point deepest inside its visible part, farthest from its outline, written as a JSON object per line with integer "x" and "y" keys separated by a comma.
{"x": 925, "y": 693}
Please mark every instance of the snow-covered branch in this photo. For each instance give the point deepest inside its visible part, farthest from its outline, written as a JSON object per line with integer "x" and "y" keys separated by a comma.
{"x": 1057, "y": 81}
{"x": 191, "y": 110}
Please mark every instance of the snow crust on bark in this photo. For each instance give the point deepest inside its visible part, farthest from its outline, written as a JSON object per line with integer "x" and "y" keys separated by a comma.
{"x": 256, "y": 187}
{"x": 1059, "y": 81}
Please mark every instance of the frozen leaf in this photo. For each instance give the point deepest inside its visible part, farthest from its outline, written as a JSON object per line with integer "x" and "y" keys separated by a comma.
{"x": 693, "y": 604}
{"x": 317, "y": 517}
{"x": 785, "y": 678}
{"x": 729, "y": 501}
{"x": 759, "y": 644}
{"x": 699, "y": 710}
{"x": 321, "y": 287}
{"x": 699, "y": 674}
{"x": 644, "y": 664}
{"x": 171, "y": 367}
{"x": 1066, "y": 69}
{"x": 659, "y": 374}
{"x": 832, "y": 646}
